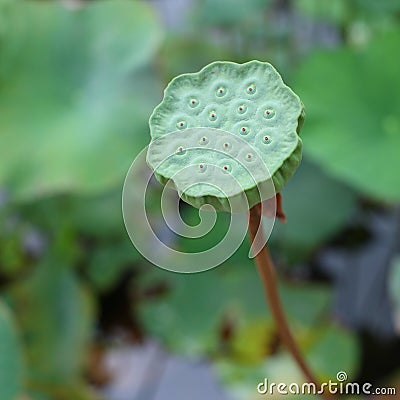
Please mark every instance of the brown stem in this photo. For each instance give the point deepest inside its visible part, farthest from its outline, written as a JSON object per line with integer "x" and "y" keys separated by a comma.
{"x": 266, "y": 269}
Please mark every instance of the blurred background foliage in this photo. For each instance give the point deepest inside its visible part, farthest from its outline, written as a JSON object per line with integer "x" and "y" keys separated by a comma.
{"x": 78, "y": 81}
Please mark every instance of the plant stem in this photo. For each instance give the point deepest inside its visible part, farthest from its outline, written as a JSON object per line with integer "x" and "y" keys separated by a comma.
{"x": 266, "y": 269}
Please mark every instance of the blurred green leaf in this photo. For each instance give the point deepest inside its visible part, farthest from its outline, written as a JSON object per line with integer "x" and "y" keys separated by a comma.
{"x": 353, "y": 123}
{"x": 181, "y": 55}
{"x": 334, "y": 349}
{"x": 108, "y": 263}
{"x": 190, "y": 317}
{"x": 98, "y": 216}
{"x": 305, "y": 304}
{"x": 187, "y": 318}
{"x": 241, "y": 31}
{"x": 10, "y": 357}
{"x": 375, "y": 8}
{"x": 12, "y": 258}
{"x": 66, "y": 392}
{"x": 394, "y": 290}
{"x": 56, "y": 316}
{"x": 251, "y": 342}
{"x": 316, "y": 207}
{"x": 346, "y": 11}
{"x": 191, "y": 217}
{"x": 230, "y": 12}
{"x": 75, "y": 94}
{"x": 335, "y": 11}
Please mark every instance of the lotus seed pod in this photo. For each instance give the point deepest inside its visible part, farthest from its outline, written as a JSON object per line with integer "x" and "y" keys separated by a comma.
{"x": 226, "y": 135}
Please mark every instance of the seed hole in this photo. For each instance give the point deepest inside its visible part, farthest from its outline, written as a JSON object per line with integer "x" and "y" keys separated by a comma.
{"x": 202, "y": 167}
{"x": 221, "y": 91}
{"x": 213, "y": 116}
{"x": 226, "y": 168}
{"x": 203, "y": 140}
{"x": 269, "y": 113}
{"x": 251, "y": 89}
{"x": 244, "y": 130}
{"x": 181, "y": 125}
{"x": 242, "y": 109}
{"x": 266, "y": 139}
{"x": 180, "y": 150}
{"x": 249, "y": 157}
{"x": 193, "y": 103}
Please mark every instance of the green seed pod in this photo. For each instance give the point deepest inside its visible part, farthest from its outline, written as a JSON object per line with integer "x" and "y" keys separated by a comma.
{"x": 227, "y": 135}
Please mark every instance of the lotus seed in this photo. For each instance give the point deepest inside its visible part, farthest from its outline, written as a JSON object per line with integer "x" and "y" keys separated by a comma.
{"x": 193, "y": 103}
{"x": 203, "y": 140}
{"x": 221, "y": 91}
{"x": 266, "y": 139}
{"x": 227, "y": 146}
{"x": 269, "y": 113}
{"x": 242, "y": 109}
{"x": 251, "y": 89}
{"x": 227, "y": 168}
{"x": 249, "y": 157}
{"x": 244, "y": 130}
{"x": 213, "y": 116}
{"x": 180, "y": 150}
{"x": 202, "y": 167}
{"x": 181, "y": 125}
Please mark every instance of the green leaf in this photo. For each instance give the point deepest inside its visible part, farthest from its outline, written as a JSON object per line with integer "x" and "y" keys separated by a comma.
{"x": 108, "y": 263}
{"x": 335, "y": 11}
{"x": 188, "y": 319}
{"x": 394, "y": 289}
{"x": 231, "y": 12}
{"x": 251, "y": 342}
{"x": 56, "y": 317}
{"x": 316, "y": 207}
{"x": 76, "y": 94}
{"x": 305, "y": 304}
{"x": 190, "y": 54}
{"x": 10, "y": 357}
{"x": 353, "y": 114}
{"x": 334, "y": 350}
{"x": 12, "y": 257}
{"x": 65, "y": 392}
{"x": 98, "y": 216}
{"x": 374, "y": 8}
